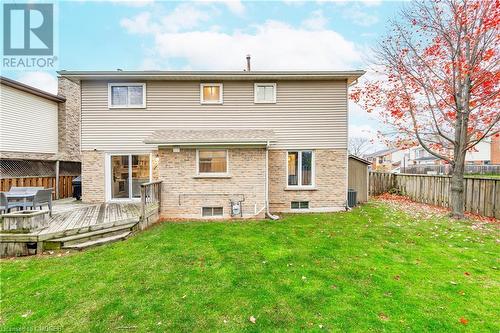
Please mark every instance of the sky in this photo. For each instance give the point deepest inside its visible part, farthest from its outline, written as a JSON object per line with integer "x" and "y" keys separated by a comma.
{"x": 217, "y": 35}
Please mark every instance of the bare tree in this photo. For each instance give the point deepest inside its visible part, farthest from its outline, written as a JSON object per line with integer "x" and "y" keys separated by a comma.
{"x": 358, "y": 146}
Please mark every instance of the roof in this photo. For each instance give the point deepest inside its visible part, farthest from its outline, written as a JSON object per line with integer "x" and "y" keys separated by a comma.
{"x": 190, "y": 137}
{"x": 382, "y": 152}
{"x": 31, "y": 168}
{"x": 32, "y": 90}
{"x": 357, "y": 158}
{"x": 350, "y": 76}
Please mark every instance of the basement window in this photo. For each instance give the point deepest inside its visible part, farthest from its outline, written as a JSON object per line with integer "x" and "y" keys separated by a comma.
{"x": 212, "y": 211}
{"x": 300, "y": 205}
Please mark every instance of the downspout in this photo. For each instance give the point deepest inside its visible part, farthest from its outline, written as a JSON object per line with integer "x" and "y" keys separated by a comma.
{"x": 268, "y": 213}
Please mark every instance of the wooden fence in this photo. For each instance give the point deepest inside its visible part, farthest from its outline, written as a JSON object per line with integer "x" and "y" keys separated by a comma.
{"x": 65, "y": 185}
{"x": 482, "y": 195}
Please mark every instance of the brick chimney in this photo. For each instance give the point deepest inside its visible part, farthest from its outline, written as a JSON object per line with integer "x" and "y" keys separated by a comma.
{"x": 495, "y": 149}
{"x": 68, "y": 118}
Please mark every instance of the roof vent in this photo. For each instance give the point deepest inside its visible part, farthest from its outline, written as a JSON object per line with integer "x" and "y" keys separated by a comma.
{"x": 248, "y": 63}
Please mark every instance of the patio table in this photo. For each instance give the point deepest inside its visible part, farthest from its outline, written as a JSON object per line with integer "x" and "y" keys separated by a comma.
{"x": 16, "y": 197}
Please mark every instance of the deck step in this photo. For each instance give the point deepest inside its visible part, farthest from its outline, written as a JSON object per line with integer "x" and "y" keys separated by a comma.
{"x": 99, "y": 241}
{"x": 92, "y": 233}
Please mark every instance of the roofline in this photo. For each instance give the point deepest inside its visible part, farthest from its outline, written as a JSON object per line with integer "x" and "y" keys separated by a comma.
{"x": 32, "y": 90}
{"x": 350, "y": 76}
{"x": 357, "y": 158}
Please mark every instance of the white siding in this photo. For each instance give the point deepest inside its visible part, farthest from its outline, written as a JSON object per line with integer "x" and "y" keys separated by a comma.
{"x": 307, "y": 114}
{"x": 28, "y": 123}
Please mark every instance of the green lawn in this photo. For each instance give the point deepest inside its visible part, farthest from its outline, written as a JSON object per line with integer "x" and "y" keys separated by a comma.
{"x": 370, "y": 270}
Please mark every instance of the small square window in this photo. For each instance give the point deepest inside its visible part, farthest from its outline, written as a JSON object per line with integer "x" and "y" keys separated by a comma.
{"x": 211, "y": 93}
{"x": 265, "y": 93}
{"x": 300, "y": 205}
{"x": 212, "y": 211}
{"x": 212, "y": 161}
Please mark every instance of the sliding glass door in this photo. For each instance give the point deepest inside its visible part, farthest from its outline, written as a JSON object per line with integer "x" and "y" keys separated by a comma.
{"x": 128, "y": 172}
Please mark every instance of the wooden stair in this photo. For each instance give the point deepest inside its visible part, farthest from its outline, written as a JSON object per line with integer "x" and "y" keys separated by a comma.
{"x": 84, "y": 240}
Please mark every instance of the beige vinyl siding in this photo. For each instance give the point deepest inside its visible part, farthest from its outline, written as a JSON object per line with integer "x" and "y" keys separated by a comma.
{"x": 307, "y": 114}
{"x": 28, "y": 123}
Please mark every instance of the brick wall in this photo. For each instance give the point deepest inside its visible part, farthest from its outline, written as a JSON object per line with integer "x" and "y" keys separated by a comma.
{"x": 330, "y": 180}
{"x": 93, "y": 176}
{"x": 183, "y": 194}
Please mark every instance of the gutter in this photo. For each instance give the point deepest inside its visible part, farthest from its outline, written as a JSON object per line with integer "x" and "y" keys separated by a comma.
{"x": 268, "y": 213}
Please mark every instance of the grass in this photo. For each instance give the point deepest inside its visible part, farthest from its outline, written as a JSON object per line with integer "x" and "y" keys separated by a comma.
{"x": 374, "y": 269}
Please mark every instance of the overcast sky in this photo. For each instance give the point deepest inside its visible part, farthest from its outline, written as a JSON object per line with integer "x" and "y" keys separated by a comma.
{"x": 216, "y": 35}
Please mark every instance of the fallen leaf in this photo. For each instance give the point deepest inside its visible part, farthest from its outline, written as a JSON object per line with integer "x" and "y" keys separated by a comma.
{"x": 466, "y": 273}
{"x": 464, "y": 321}
{"x": 333, "y": 286}
{"x": 252, "y": 319}
{"x": 383, "y": 316}
{"x": 27, "y": 314}
{"x": 397, "y": 277}
{"x": 461, "y": 292}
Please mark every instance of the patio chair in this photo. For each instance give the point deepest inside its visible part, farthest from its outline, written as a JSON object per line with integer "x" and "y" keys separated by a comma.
{"x": 42, "y": 197}
{"x": 5, "y": 205}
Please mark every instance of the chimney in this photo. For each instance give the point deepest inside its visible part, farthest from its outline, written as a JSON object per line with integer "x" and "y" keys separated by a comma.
{"x": 248, "y": 63}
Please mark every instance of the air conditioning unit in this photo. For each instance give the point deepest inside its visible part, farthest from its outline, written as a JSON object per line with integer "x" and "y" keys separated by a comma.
{"x": 236, "y": 209}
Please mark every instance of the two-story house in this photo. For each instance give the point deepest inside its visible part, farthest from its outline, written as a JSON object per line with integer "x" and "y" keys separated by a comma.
{"x": 271, "y": 141}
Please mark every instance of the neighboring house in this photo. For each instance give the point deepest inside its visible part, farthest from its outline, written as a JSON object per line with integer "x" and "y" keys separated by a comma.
{"x": 38, "y": 134}
{"x": 384, "y": 160}
{"x": 273, "y": 141}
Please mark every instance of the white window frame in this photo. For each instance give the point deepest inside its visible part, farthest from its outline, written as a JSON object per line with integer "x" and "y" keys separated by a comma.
{"x": 299, "y": 176}
{"x": 127, "y": 106}
{"x": 108, "y": 174}
{"x": 221, "y": 96}
{"x": 211, "y": 174}
{"x": 300, "y": 201}
{"x": 211, "y": 216}
{"x": 255, "y": 93}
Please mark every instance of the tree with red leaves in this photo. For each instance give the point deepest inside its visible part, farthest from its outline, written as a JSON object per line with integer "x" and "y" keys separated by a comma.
{"x": 440, "y": 87}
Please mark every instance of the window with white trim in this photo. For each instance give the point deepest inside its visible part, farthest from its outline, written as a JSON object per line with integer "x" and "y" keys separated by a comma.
{"x": 265, "y": 92}
{"x": 300, "y": 168}
{"x": 211, "y": 211}
{"x": 211, "y": 93}
{"x": 127, "y": 95}
{"x": 299, "y": 205}
{"x": 212, "y": 161}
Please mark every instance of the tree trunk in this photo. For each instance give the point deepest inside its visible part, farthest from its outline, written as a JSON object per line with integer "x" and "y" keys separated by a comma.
{"x": 457, "y": 198}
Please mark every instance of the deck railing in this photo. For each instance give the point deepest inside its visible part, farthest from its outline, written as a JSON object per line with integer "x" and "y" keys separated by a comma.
{"x": 150, "y": 198}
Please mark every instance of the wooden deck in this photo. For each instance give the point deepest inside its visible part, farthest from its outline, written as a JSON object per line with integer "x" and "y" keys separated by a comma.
{"x": 69, "y": 219}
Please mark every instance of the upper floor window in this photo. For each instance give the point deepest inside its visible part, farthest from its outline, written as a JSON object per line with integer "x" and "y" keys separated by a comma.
{"x": 212, "y": 161}
{"x": 265, "y": 93}
{"x": 300, "y": 168}
{"x": 211, "y": 93}
{"x": 127, "y": 95}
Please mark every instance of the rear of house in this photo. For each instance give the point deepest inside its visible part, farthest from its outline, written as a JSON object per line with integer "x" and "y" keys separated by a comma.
{"x": 266, "y": 141}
